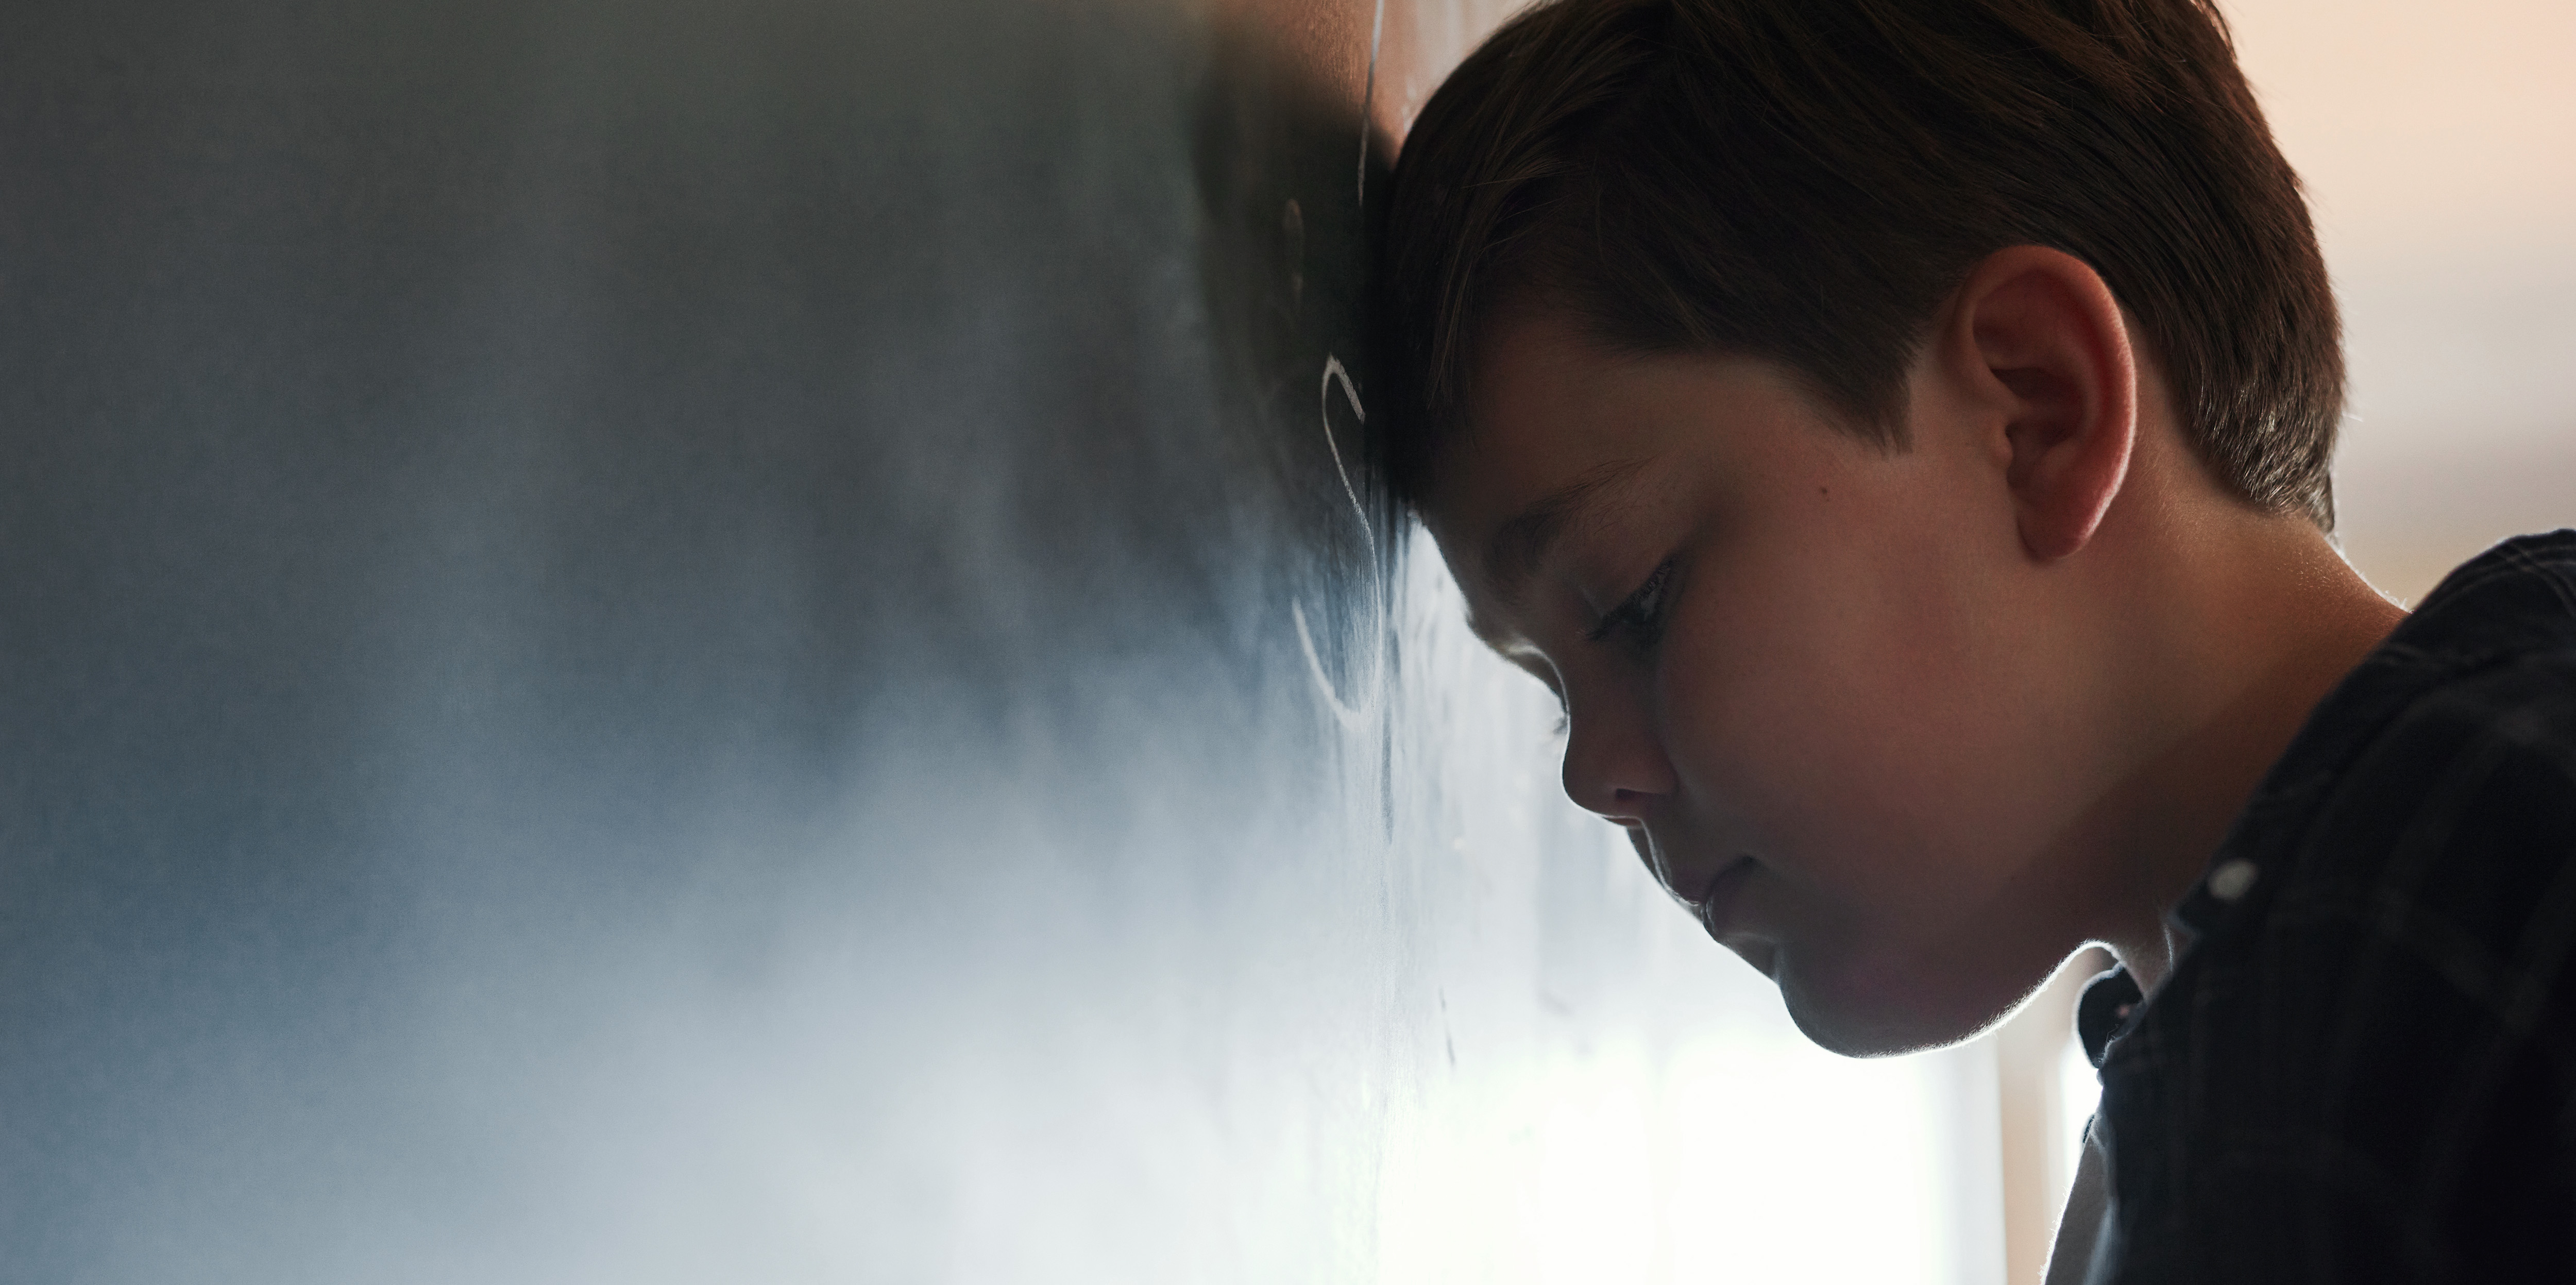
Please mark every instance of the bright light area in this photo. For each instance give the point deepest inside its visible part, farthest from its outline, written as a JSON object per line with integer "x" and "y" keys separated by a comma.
{"x": 1736, "y": 1161}
{"x": 1790, "y": 1167}
{"x": 1747, "y": 1155}
{"x": 2079, "y": 1090}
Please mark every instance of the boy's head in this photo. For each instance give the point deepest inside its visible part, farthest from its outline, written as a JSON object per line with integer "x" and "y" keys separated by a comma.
{"x": 1764, "y": 367}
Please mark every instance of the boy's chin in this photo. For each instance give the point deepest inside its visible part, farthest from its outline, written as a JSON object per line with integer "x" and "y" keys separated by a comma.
{"x": 1851, "y": 1012}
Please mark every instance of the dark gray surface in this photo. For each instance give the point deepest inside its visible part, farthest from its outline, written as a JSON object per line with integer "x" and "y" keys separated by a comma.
{"x": 513, "y": 516}
{"x": 672, "y": 642}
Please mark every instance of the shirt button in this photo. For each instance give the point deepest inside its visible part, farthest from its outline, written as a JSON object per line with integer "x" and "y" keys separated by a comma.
{"x": 2229, "y": 882}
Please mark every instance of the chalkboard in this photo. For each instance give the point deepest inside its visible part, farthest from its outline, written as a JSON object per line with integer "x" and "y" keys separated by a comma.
{"x": 748, "y": 641}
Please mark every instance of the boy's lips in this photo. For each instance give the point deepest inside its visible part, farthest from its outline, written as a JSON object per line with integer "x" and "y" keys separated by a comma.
{"x": 1717, "y": 898}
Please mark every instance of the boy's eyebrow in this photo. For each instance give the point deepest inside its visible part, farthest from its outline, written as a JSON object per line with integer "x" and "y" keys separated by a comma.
{"x": 1520, "y": 544}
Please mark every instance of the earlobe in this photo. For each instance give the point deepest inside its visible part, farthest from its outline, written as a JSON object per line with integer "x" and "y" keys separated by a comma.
{"x": 2048, "y": 340}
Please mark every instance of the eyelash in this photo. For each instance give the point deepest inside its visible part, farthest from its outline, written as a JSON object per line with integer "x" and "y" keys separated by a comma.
{"x": 1641, "y": 616}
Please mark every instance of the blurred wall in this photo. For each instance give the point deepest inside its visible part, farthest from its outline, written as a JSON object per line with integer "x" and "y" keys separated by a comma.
{"x": 2439, "y": 150}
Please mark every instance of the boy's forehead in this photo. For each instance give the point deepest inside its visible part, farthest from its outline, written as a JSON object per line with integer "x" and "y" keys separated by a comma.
{"x": 1548, "y": 444}
{"x": 1510, "y": 551}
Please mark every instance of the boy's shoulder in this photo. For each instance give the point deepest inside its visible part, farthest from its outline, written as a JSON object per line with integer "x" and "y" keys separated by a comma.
{"x": 2446, "y": 762}
{"x": 2368, "y": 1052}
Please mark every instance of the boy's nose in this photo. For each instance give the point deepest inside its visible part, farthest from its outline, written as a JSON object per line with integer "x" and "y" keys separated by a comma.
{"x": 1614, "y": 764}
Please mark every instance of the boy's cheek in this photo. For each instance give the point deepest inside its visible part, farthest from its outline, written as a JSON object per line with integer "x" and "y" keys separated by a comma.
{"x": 1822, "y": 746}
{"x": 1882, "y": 845}
{"x": 1867, "y": 854}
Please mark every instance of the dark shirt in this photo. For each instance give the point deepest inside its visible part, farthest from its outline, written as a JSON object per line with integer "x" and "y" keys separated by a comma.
{"x": 2362, "y": 1066}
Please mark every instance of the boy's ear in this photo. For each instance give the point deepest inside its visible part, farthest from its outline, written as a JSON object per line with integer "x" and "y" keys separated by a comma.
{"x": 2039, "y": 339}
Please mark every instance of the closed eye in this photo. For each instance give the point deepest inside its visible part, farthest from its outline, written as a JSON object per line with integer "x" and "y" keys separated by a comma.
{"x": 1640, "y": 617}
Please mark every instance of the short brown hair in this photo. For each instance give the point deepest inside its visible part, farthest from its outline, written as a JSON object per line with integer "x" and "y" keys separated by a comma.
{"x": 1808, "y": 180}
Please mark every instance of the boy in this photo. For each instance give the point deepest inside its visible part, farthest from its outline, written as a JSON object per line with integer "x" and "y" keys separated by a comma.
{"x": 1898, "y": 431}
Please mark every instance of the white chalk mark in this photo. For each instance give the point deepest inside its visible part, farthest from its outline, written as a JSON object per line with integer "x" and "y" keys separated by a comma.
{"x": 1349, "y": 718}
{"x": 1333, "y": 371}
{"x": 1352, "y": 716}
{"x": 1368, "y": 96}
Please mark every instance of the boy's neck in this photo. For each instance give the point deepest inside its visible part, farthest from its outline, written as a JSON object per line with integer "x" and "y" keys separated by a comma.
{"x": 2266, "y": 619}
